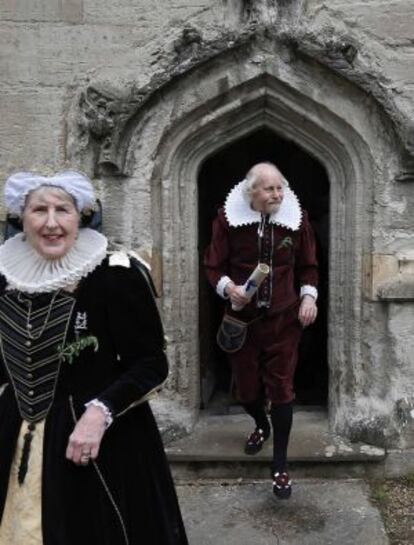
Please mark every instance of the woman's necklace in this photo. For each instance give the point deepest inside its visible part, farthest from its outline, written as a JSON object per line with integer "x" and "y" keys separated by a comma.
{"x": 29, "y": 326}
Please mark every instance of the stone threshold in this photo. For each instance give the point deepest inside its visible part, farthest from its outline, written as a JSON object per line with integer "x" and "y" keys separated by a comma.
{"x": 215, "y": 449}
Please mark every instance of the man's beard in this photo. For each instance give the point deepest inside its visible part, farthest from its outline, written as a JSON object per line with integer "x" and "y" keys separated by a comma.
{"x": 272, "y": 209}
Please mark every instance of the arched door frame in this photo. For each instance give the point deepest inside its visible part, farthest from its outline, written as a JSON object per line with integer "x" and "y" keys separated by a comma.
{"x": 264, "y": 101}
{"x": 147, "y": 141}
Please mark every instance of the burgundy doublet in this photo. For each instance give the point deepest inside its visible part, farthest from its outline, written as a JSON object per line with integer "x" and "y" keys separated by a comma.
{"x": 268, "y": 358}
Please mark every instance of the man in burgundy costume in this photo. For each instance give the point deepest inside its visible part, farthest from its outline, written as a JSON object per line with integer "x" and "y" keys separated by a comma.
{"x": 262, "y": 221}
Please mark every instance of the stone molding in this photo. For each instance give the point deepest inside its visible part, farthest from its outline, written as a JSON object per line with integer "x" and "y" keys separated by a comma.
{"x": 105, "y": 117}
{"x": 262, "y": 102}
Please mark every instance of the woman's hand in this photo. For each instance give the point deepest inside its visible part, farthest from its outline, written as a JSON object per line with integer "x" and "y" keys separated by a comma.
{"x": 236, "y": 294}
{"x": 307, "y": 310}
{"x": 85, "y": 440}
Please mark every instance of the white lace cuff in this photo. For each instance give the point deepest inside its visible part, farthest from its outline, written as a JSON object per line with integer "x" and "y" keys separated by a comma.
{"x": 309, "y": 290}
{"x": 107, "y": 412}
{"x": 221, "y": 285}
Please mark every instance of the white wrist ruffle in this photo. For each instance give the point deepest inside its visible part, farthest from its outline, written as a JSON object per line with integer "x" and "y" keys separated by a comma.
{"x": 221, "y": 285}
{"x": 107, "y": 412}
{"x": 309, "y": 290}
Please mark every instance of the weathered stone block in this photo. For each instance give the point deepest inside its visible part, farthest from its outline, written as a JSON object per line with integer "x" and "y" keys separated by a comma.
{"x": 380, "y": 19}
{"x": 153, "y": 13}
{"x": 69, "y": 11}
{"x": 32, "y": 56}
{"x": 31, "y": 130}
{"x": 389, "y": 277}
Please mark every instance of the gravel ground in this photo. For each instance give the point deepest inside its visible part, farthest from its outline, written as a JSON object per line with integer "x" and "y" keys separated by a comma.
{"x": 395, "y": 500}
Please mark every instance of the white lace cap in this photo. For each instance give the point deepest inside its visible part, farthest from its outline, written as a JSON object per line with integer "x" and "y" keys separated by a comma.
{"x": 19, "y": 185}
{"x": 239, "y": 212}
{"x": 26, "y": 270}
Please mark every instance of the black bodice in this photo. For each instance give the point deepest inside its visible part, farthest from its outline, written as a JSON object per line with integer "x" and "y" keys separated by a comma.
{"x": 33, "y": 329}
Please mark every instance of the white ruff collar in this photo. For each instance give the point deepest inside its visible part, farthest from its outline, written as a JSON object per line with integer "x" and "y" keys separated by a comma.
{"x": 238, "y": 212}
{"x": 26, "y": 270}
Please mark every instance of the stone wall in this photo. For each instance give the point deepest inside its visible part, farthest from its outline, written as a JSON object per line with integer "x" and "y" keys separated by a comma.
{"x": 104, "y": 86}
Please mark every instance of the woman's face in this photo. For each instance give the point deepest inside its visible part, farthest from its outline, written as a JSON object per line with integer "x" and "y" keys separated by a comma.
{"x": 50, "y": 222}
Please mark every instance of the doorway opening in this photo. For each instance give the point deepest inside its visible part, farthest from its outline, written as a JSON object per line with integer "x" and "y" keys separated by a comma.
{"x": 309, "y": 180}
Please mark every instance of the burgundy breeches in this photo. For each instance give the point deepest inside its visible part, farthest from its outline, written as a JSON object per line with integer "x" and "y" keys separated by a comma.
{"x": 267, "y": 361}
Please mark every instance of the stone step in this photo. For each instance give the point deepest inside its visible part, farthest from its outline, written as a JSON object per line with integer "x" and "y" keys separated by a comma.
{"x": 215, "y": 450}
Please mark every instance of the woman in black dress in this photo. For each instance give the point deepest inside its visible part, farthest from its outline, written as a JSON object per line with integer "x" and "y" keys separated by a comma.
{"x": 82, "y": 350}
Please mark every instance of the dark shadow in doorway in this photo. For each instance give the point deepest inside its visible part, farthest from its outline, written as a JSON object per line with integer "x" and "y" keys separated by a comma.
{"x": 309, "y": 180}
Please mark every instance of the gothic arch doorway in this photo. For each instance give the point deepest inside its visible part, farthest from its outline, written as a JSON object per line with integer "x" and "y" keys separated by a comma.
{"x": 252, "y": 106}
{"x": 310, "y": 181}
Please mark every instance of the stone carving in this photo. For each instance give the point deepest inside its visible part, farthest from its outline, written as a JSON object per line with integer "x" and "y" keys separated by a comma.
{"x": 256, "y": 9}
{"x": 342, "y": 50}
{"x": 406, "y": 173}
{"x": 105, "y": 115}
{"x": 188, "y": 43}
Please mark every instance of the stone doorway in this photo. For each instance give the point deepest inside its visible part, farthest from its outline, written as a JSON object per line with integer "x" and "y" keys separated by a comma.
{"x": 309, "y": 180}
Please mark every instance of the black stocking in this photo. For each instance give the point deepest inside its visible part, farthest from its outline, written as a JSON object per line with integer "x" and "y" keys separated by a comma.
{"x": 257, "y": 412}
{"x": 281, "y": 416}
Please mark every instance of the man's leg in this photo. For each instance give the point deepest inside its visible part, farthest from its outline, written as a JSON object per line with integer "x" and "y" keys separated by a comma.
{"x": 256, "y": 410}
{"x": 248, "y": 390}
{"x": 280, "y": 357}
{"x": 281, "y": 417}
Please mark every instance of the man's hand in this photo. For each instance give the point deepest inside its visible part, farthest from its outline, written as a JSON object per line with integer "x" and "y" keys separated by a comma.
{"x": 236, "y": 294}
{"x": 307, "y": 310}
{"x": 86, "y": 438}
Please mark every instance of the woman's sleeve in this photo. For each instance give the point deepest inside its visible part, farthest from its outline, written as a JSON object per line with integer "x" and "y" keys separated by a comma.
{"x": 3, "y": 378}
{"x": 3, "y": 375}
{"x": 137, "y": 333}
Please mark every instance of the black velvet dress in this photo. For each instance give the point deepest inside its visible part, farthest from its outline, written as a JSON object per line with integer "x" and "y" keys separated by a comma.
{"x": 127, "y": 497}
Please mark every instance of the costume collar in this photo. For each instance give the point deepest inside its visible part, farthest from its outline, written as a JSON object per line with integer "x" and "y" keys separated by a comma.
{"x": 26, "y": 270}
{"x": 238, "y": 211}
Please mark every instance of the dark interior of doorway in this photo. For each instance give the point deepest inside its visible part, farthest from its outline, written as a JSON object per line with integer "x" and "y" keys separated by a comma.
{"x": 309, "y": 180}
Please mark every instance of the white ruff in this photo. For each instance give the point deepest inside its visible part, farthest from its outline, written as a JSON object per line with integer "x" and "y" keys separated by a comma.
{"x": 26, "y": 270}
{"x": 238, "y": 211}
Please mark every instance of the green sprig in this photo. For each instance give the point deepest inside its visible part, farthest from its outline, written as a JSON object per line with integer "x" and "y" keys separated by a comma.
{"x": 285, "y": 243}
{"x": 72, "y": 350}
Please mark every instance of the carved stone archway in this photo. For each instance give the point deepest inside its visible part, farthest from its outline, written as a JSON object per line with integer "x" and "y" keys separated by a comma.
{"x": 162, "y": 146}
{"x": 265, "y": 102}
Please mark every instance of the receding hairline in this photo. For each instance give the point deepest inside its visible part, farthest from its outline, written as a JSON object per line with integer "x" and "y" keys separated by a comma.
{"x": 261, "y": 168}
{"x": 254, "y": 175}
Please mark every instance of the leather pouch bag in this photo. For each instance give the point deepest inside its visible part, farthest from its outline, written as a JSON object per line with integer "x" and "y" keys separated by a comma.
{"x": 231, "y": 334}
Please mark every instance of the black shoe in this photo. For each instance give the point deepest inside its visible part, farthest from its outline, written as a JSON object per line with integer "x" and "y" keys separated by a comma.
{"x": 255, "y": 441}
{"x": 282, "y": 486}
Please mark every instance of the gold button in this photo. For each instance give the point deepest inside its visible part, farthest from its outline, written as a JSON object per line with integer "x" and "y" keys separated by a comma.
{"x": 29, "y": 359}
{"x": 28, "y": 343}
{"x": 29, "y": 375}
{"x": 29, "y": 326}
{"x": 31, "y": 393}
